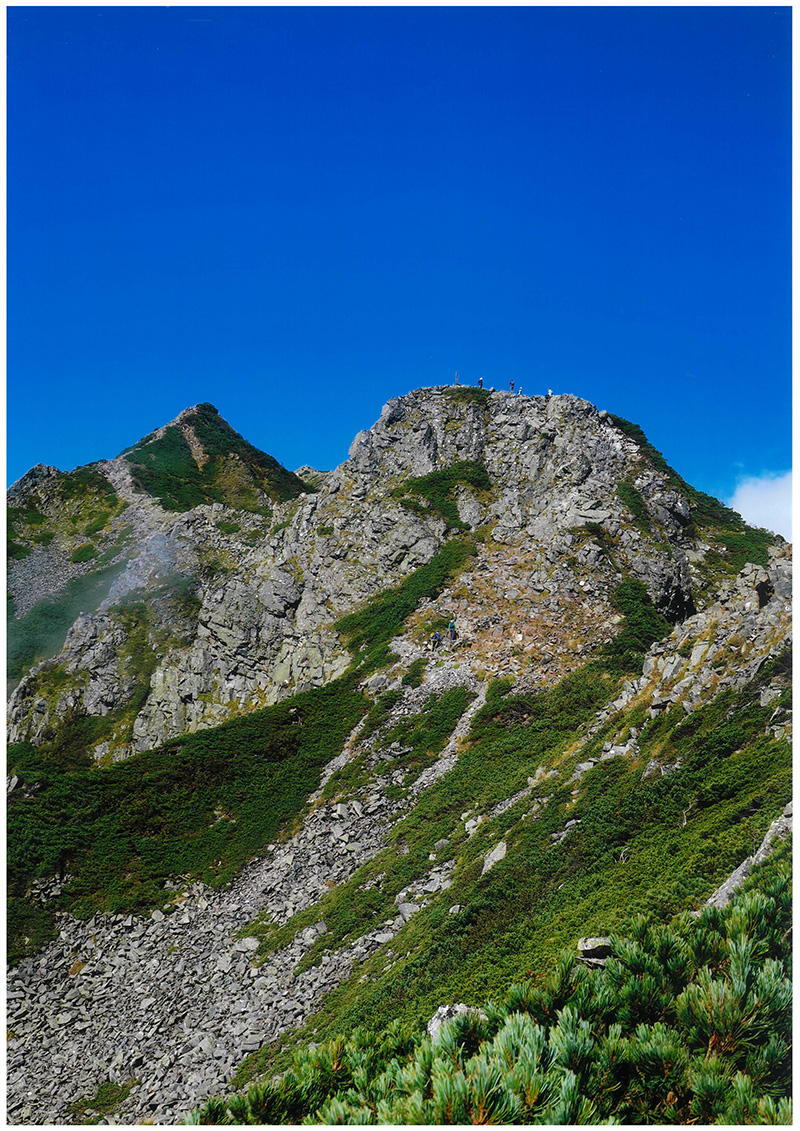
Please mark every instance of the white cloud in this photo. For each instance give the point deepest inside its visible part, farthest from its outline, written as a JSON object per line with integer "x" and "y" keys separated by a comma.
{"x": 766, "y": 501}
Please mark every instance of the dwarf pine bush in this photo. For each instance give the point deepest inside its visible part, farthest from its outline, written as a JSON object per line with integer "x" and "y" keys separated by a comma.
{"x": 687, "y": 1023}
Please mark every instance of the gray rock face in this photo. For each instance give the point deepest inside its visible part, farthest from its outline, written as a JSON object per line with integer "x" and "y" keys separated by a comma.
{"x": 724, "y": 646}
{"x": 593, "y": 952}
{"x": 497, "y": 854}
{"x": 270, "y": 592}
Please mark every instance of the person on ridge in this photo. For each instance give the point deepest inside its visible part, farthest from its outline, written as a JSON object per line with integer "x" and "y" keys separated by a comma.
{"x": 451, "y": 628}
{"x": 480, "y": 382}
{"x": 511, "y": 386}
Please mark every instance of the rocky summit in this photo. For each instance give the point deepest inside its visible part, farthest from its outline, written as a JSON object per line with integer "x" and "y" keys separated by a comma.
{"x": 296, "y": 753}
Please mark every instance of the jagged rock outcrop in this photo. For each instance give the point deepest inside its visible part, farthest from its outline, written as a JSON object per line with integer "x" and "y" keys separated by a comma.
{"x": 724, "y": 646}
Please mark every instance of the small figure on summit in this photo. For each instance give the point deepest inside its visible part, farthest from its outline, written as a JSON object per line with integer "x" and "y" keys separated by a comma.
{"x": 511, "y": 386}
{"x": 480, "y": 382}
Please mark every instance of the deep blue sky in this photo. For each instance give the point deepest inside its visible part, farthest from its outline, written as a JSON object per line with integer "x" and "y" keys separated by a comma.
{"x": 297, "y": 213}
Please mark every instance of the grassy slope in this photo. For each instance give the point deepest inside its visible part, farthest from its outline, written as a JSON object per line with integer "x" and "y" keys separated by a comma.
{"x": 432, "y": 495}
{"x": 122, "y": 831}
{"x": 687, "y": 1023}
{"x": 82, "y": 503}
{"x": 656, "y": 845}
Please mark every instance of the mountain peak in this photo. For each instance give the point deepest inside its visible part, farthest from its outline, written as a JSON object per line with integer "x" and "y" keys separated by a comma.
{"x": 199, "y": 458}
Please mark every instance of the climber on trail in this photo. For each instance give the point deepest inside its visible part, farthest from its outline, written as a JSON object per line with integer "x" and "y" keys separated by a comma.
{"x": 435, "y": 641}
{"x": 451, "y": 628}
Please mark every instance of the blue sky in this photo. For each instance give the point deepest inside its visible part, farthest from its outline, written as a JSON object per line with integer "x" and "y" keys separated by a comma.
{"x": 297, "y": 213}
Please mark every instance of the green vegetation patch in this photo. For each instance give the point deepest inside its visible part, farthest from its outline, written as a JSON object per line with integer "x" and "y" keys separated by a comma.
{"x": 378, "y": 714}
{"x": 354, "y": 907}
{"x": 425, "y": 734}
{"x": 749, "y": 545}
{"x": 416, "y": 672}
{"x": 119, "y": 832}
{"x": 369, "y": 630}
{"x": 84, "y": 490}
{"x": 165, "y": 469}
{"x": 687, "y": 1023}
{"x": 219, "y": 440}
{"x": 84, "y": 553}
{"x": 635, "y": 503}
{"x": 16, "y": 551}
{"x": 17, "y": 520}
{"x": 97, "y": 524}
{"x": 467, "y": 394}
{"x": 642, "y": 627}
{"x": 433, "y": 494}
{"x": 87, "y": 481}
{"x": 106, "y": 1099}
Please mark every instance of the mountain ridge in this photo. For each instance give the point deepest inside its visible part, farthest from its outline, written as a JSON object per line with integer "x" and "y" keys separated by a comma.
{"x": 377, "y": 826}
{"x": 360, "y": 509}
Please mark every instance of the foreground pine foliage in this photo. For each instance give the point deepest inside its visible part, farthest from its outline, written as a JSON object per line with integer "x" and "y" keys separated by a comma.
{"x": 687, "y": 1023}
